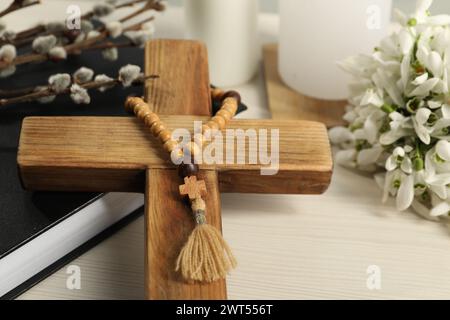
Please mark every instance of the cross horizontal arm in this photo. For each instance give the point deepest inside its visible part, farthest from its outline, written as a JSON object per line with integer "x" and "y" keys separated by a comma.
{"x": 112, "y": 153}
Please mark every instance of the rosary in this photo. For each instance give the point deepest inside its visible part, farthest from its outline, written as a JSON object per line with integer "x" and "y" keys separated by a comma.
{"x": 205, "y": 257}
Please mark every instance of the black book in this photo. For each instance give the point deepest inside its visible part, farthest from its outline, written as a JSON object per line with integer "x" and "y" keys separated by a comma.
{"x": 42, "y": 231}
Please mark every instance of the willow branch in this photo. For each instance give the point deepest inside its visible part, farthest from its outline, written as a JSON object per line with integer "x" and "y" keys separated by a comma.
{"x": 79, "y": 46}
{"x": 27, "y": 36}
{"x": 17, "y": 5}
{"x": 88, "y": 86}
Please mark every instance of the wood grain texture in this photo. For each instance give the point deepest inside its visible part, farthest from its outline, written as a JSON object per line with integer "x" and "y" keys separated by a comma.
{"x": 183, "y": 84}
{"x": 182, "y": 88}
{"x": 286, "y": 103}
{"x": 170, "y": 222}
{"x": 111, "y": 154}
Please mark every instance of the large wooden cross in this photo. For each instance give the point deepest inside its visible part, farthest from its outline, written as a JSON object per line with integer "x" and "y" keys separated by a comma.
{"x": 105, "y": 154}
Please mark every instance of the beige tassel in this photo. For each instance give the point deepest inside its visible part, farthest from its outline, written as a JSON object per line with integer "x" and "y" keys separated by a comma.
{"x": 206, "y": 257}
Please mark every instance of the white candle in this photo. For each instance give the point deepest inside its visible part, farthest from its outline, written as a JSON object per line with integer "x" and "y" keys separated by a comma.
{"x": 229, "y": 29}
{"x": 314, "y": 35}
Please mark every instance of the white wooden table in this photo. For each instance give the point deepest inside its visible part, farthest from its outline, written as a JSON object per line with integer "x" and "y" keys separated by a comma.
{"x": 288, "y": 247}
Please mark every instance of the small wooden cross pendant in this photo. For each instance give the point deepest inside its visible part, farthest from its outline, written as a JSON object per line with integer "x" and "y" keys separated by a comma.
{"x": 193, "y": 188}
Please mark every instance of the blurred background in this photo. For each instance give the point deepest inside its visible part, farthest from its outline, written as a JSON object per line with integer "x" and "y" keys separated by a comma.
{"x": 441, "y": 6}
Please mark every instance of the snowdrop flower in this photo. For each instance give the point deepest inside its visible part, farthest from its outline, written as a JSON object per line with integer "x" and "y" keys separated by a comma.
{"x": 57, "y": 53}
{"x": 420, "y": 120}
{"x": 44, "y": 44}
{"x": 399, "y": 113}
{"x": 114, "y": 28}
{"x": 399, "y": 127}
{"x": 103, "y": 9}
{"x": 8, "y": 53}
{"x": 399, "y": 160}
{"x": 128, "y": 74}
{"x": 8, "y": 71}
{"x": 341, "y": 137}
{"x": 59, "y": 82}
{"x": 103, "y": 78}
{"x": 110, "y": 54}
{"x": 83, "y": 75}
{"x": 79, "y": 94}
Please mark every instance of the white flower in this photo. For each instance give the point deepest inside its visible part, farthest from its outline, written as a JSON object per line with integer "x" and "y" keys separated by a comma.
{"x": 103, "y": 9}
{"x": 399, "y": 127}
{"x": 368, "y": 157}
{"x": 399, "y": 113}
{"x": 110, "y": 54}
{"x": 114, "y": 28}
{"x": 44, "y": 44}
{"x": 342, "y": 137}
{"x": 83, "y": 75}
{"x": 59, "y": 82}
{"x": 57, "y": 53}
{"x": 79, "y": 94}
{"x": 8, "y": 53}
{"x": 399, "y": 159}
{"x": 405, "y": 194}
{"x": 128, "y": 74}
{"x": 419, "y": 121}
{"x": 102, "y": 78}
{"x": 346, "y": 158}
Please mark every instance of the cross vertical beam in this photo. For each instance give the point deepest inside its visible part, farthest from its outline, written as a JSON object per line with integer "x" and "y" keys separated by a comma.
{"x": 183, "y": 89}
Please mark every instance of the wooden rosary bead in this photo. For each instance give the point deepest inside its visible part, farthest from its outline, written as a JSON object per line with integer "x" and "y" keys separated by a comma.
{"x": 131, "y": 102}
{"x": 165, "y": 135}
{"x": 143, "y": 113}
{"x": 156, "y": 128}
{"x": 193, "y": 149}
{"x": 205, "y": 128}
{"x": 187, "y": 170}
{"x": 220, "y": 121}
{"x": 151, "y": 118}
{"x": 170, "y": 145}
{"x": 213, "y": 125}
{"x": 232, "y": 94}
{"x": 225, "y": 114}
{"x": 177, "y": 156}
{"x": 198, "y": 204}
{"x": 217, "y": 94}
{"x": 230, "y": 108}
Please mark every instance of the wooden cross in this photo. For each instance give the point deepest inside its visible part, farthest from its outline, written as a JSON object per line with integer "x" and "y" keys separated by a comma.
{"x": 106, "y": 154}
{"x": 193, "y": 188}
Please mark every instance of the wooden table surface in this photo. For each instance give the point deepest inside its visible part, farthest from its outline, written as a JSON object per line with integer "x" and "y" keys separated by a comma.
{"x": 288, "y": 247}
